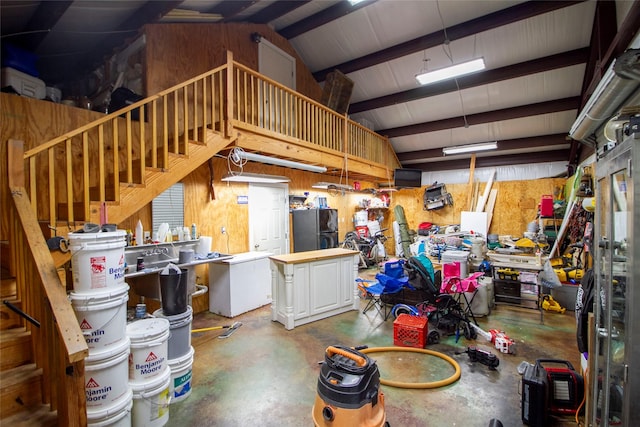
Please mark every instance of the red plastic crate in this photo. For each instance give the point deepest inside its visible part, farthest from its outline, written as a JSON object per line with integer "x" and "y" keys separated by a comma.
{"x": 410, "y": 331}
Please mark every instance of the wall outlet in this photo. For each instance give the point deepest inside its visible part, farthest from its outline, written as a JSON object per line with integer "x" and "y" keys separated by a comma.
{"x": 223, "y": 230}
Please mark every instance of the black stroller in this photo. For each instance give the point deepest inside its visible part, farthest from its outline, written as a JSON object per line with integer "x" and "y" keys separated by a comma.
{"x": 444, "y": 311}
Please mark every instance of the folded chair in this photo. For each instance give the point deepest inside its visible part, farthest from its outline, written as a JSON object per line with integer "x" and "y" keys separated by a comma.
{"x": 458, "y": 287}
{"x": 375, "y": 292}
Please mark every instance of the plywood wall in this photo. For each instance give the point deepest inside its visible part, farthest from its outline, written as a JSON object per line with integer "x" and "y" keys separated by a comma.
{"x": 177, "y": 52}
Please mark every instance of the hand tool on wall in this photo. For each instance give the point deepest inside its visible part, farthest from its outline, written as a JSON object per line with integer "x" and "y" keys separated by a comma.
{"x": 230, "y": 329}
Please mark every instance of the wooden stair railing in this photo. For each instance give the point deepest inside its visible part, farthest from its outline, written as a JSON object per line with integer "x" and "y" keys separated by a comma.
{"x": 59, "y": 348}
{"x": 73, "y": 175}
{"x": 94, "y": 164}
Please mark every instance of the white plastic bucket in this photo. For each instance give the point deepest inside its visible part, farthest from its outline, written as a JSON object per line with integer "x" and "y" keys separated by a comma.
{"x": 180, "y": 338}
{"x": 361, "y": 218}
{"x": 97, "y": 260}
{"x": 102, "y": 317}
{"x": 106, "y": 377}
{"x": 181, "y": 376}
{"x": 151, "y": 401}
{"x": 149, "y": 348}
{"x": 118, "y": 415}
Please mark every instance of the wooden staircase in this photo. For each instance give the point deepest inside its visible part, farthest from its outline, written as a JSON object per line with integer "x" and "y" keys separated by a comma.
{"x": 21, "y": 380}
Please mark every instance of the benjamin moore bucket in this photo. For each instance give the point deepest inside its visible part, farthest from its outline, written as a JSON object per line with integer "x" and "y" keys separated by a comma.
{"x": 180, "y": 339}
{"x": 151, "y": 401}
{"x": 181, "y": 376}
{"x": 106, "y": 377}
{"x": 117, "y": 415}
{"x": 102, "y": 317}
{"x": 97, "y": 260}
{"x": 149, "y": 348}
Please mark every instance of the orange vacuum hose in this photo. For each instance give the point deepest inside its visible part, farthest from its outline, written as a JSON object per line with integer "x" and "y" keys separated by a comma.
{"x": 433, "y": 384}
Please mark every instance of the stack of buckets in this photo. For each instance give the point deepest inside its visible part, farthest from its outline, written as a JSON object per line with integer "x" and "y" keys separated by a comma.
{"x": 149, "y": 372}
{"x": 99, "y": 300}
{"x": 174, "y": 295}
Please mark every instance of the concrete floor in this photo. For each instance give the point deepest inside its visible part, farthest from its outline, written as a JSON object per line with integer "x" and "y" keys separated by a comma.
{"x": 264, "y": 375}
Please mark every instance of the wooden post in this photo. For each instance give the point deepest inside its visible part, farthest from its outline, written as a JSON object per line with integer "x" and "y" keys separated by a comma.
{"x": 15, "y": 166}
{"x": 230, "y": 94}
{"x": 472, "y": 168}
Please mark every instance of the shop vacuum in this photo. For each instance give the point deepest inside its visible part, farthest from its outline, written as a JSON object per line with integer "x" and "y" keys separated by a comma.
{"x": 348, "y": 391}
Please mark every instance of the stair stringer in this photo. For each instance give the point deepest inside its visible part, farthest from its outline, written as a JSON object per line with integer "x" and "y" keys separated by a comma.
{"x": 157, "y": 181}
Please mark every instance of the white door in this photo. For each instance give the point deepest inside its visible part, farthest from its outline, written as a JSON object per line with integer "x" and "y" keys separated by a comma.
{"x": 277, "y": 65}
{"x": 269, "y": 218}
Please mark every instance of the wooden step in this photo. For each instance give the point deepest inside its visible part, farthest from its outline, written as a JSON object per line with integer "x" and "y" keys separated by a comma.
{"x": 8, "y": 318}
{"x": 38, "y": 416}
{"x": 7, "y": 287}
{"x": 15, "y": 347}
{"x": 20, "y": 388}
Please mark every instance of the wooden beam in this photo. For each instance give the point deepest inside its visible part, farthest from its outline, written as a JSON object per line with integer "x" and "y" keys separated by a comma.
{"x": 472, "y": 168}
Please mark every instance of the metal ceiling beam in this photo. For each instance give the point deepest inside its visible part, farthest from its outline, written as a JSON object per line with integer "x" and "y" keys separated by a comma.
{"x": 493, "y": 20}
{"x": 41, "y": 22}
{"x": 229, "y": 9}
{"x": 560, "y": 60}
{"x": 602, "y": 34}
{"x": 274, "y": 11}
{"x": 323, "y": 17}
{"x": 493, "y": 161}
{"x": 503, "y": 145}
{"x": 618, "y": 45}
{"x": 572, "y": 103}
{"x": 150, "y": 12}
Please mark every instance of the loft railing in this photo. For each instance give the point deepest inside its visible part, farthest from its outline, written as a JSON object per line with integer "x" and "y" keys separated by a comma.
{"x": 74, "y": 171}
{"x": 58, "y": 346}
{"x": 265, "y": 106}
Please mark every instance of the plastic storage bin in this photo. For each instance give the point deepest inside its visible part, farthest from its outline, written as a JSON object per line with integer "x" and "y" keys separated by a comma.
{"x": 23, "y": 83}
{"x": 457, "y": 256}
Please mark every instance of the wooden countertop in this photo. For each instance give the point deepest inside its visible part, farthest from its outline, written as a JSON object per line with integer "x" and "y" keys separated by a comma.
{"x": 300, "y": 257}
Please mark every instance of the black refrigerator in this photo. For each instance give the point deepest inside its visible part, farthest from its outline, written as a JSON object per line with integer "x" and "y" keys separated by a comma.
{"x": 314, "y": 229}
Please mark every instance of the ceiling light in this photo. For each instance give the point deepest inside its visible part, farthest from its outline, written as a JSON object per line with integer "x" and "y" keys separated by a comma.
{"x": 255, "y": 178}
{"x": 279, "y": 162}
{"x": 459, "y": 149}
{"x": 451, "y": 71}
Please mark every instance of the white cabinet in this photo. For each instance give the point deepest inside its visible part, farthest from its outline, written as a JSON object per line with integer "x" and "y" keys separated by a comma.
{"x": 240, "y": 284}
{"x": 313, "y": 285}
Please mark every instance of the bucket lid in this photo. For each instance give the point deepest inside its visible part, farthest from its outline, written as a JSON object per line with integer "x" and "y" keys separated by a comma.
{"x": 153, "y": 384}
{"x": 176, "y": 317}
{"x": 147, "y": 329}
{"x": 101, "y": 295}
{"x": 97, "y": 237}
{"x": 108, "y": 353}
{"x": 182, "y": 360}
{"x": 125, "y": 402}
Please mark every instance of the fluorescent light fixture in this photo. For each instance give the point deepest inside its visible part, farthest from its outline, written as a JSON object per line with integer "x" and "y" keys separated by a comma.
{"x": 355, "y": 2}
{"x": 332, "y": 186}
{"x": 255, "y": 178}
{"x": 459, "y": 149}
{"x": 279, "y": 162}
{"x": 451, "y": 72}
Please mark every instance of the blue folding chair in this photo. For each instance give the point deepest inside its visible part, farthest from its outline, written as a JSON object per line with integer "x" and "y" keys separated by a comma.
{"x": 375, "y": 290}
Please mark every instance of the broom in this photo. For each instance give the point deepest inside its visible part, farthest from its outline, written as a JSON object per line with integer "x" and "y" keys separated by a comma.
{"x": 231, "y": 329}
